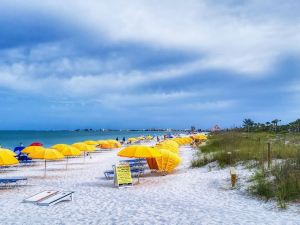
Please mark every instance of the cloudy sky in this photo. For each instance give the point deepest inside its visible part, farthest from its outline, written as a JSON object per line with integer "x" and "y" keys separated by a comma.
{"x": 134, "y": 64}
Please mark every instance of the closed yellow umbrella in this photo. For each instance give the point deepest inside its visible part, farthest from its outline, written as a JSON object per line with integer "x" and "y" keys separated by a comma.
{"x": 139, "y": 151}
{"x": 46, "y": 154}
{"x": 90, "y": 142}
{"x": 10, "y": 152}
{"x": 32, "y": 149}
{"x": 168, "y": 160}
{"x": 6, "y": 159}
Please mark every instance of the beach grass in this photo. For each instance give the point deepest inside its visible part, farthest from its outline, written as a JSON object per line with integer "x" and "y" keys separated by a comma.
{"x": 276, "y": 158}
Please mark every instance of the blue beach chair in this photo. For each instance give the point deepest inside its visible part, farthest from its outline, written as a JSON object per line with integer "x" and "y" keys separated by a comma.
{"x": 23, "y": 158}
{"x": 11, "y": 181}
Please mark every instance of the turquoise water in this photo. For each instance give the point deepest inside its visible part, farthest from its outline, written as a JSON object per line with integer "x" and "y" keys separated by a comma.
{"x": 11, "y": 139}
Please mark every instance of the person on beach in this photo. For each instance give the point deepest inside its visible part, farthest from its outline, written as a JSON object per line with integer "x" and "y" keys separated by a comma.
{"x": 123, "y": 139}
{"x": 157, "y": 139}
{"x": 117, "y": 139}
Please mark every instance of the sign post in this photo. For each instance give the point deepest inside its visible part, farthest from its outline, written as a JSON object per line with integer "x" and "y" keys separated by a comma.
{"x": 122, "y": 176}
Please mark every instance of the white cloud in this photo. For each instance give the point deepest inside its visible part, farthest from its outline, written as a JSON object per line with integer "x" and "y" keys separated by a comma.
{"x": 246, "y": 38}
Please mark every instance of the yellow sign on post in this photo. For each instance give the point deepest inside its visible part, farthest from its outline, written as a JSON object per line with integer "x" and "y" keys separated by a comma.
{"x": 123, "y": 175}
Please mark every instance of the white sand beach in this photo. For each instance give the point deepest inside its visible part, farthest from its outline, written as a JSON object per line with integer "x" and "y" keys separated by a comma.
{"x": 187, "y": 196}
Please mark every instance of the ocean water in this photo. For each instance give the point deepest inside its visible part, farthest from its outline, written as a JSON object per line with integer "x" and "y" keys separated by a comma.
{"x": 11, "y": 139}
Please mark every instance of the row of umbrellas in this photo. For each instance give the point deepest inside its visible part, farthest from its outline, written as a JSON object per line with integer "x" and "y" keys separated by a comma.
{"x": 163, "y": 156}
{"x": 141, "y": 138}
{"x": 56, "y": 152}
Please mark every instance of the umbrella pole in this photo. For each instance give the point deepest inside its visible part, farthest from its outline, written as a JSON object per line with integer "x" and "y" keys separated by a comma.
{"x": 84, "y": 157}
{"x": 45, "y": 167}
{"x": 67, "y": 163}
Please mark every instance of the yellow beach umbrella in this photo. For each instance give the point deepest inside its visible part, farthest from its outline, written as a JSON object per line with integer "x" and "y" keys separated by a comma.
{"x": 168, "y": 160}
{"x": 200, "y": 137}
{"x": 139, "y": 151}
{"x": 84, "y": 147}
{"x": 114, "y": 143}
{"x": 67, "y": 150}
{"x": 46, "y": 154}
{"x": 132, "y": 140}
{"x": 90, "y": 142}
{"x": 168, "y": 146}
{"x": 171, "y": 142}
{"x": 6, "y": 159}
{"x": 32, "y": 149}
{"x": 187, "y": 140}
{"x": 8, "y": 151}
{"x": 102, "y": 142}
{"x": 179, "y": 141}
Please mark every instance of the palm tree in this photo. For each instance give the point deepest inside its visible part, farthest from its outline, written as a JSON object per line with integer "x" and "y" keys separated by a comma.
{"x": 248, "y": 123}
{"x": 275, "y": 123}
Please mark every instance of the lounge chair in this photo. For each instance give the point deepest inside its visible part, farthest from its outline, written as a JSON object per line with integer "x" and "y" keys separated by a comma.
{"x": 23, "y": 158}
{"x": 109, "y": 174}
{"x": 134, "y": 161}
{"x": 56, "y": 198}
{"x": 12, "y": 180}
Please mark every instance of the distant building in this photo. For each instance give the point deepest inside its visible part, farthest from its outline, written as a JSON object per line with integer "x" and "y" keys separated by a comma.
{"x": 215, "y": 128}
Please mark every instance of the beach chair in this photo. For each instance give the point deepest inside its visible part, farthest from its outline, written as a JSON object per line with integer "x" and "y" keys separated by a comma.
{"x": 57, "y": 198}
{"x": 109, "y": 174}
{"x": 18, "y": 150}
{"x": 12, "y": 180}
{"x": 24, "y": 159}
{"x": 134, "y": 161}
{"x": 40, "y": 196}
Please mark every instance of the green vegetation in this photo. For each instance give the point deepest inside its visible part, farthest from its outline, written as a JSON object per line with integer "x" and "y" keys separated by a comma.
{"x": 273, "y": 126}
{"x": 278, "y": 178}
